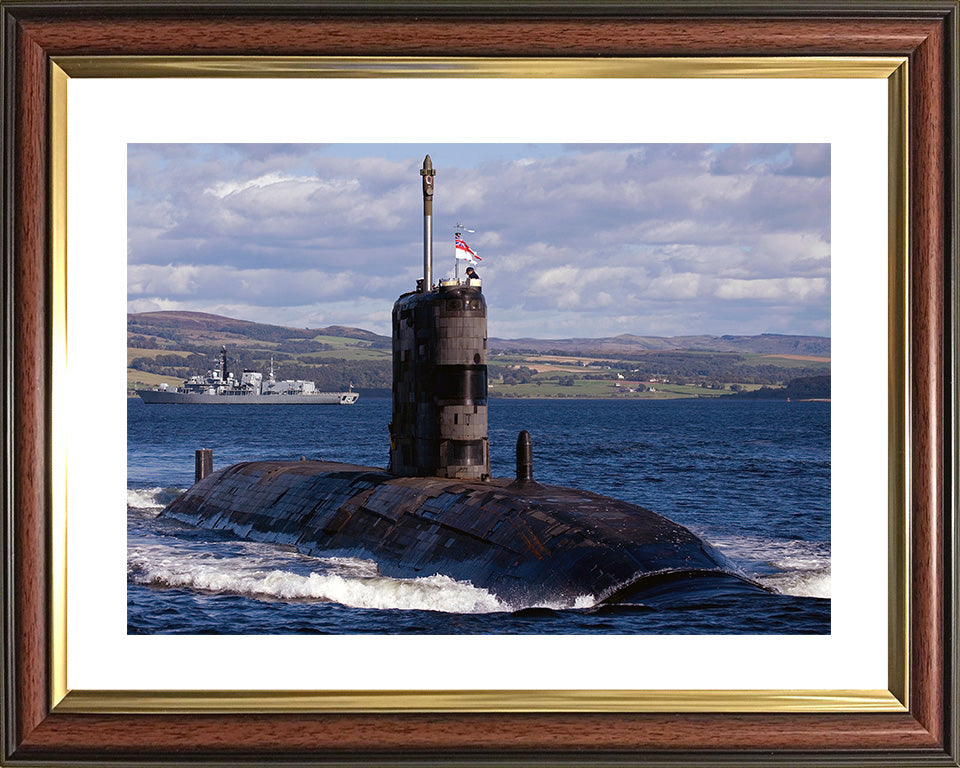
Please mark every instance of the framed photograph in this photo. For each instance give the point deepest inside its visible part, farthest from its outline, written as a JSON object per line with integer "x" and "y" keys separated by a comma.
{"x": 104, "y": 104}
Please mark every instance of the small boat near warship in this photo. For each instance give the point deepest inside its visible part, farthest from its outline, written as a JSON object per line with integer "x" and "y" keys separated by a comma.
{"x": 220, "y": 387}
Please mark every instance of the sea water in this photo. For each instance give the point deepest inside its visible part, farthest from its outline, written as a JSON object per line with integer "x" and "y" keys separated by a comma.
{"x": 750, "y": 477}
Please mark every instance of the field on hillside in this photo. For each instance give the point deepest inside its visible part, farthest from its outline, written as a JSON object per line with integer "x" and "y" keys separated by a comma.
{"x": 166, "y": 347}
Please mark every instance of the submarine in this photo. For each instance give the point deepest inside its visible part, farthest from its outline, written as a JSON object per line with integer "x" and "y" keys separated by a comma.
{"x": 435, "y": 509}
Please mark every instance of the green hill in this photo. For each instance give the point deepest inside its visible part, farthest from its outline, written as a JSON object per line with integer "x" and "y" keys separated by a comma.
{"x": 169, "y": 346}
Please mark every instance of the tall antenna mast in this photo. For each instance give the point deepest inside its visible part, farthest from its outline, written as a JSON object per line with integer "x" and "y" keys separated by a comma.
{"x": 428, "y": 173}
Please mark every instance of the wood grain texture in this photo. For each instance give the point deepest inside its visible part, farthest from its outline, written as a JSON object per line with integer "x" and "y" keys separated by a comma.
{"x": 281, "y": 735}
{"x": 927, "y": 161}
{"x": 29, "y": 369}
{"x": 333, "y": 36}
{"x": 41, "y": 736}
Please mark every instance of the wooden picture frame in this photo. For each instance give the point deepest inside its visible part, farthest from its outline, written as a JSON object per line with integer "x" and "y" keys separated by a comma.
{"x": 38, "y": 730}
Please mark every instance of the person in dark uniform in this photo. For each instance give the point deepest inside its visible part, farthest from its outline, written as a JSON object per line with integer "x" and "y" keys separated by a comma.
{"x": 472, "y": 274}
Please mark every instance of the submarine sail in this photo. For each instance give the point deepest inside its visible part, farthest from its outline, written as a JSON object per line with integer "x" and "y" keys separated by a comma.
{"x": 439, "y": 425}
{"x": 436, "y": 509}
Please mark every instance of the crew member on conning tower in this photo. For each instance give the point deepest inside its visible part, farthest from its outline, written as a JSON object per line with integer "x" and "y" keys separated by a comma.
{"x": 439, "y": 426}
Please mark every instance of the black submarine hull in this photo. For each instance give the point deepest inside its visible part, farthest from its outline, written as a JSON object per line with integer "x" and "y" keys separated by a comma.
{"x": 528, "y": 544}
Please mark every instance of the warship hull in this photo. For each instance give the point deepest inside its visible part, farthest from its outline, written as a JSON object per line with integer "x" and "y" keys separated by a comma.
{"x": 228, "y": 398}
{"x": 528, "y": 544}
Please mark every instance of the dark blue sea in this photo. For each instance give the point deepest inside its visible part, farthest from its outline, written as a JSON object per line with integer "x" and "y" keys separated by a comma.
{"x": 751, "y": 477}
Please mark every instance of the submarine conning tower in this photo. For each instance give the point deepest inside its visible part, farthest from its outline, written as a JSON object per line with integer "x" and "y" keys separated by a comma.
{"x": 439, "y": 426}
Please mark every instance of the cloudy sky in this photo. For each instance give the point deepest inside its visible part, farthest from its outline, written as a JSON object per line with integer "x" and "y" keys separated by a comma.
{"x": 576, "y": 240}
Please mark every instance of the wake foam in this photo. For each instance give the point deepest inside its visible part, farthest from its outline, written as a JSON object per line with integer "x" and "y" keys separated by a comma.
{"x": 351, "y": 582}
{"x": 798, "y": 568}
{"x": 151, "y": 498}
{"x": 813, "y": 583}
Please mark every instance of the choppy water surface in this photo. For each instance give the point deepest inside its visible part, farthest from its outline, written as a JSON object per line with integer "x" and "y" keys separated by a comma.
{"x": 753, "y": 478}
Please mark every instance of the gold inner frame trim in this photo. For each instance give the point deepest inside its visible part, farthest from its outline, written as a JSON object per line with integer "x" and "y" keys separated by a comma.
{"x": 58, "y": 371}
{"x": 515, "y": 701}
{"x": 898, "y": 383}
{"x": 414, "y": 66}
{"x": 893, "y": 69}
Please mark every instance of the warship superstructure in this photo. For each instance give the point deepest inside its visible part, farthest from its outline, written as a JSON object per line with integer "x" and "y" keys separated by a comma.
{"x": 221, "y": 387}
{"x": 435, "y": 509}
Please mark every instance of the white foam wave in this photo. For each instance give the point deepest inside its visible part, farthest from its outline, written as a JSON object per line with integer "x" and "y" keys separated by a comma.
{"x": 800, "y": 583}
{"x": 798, "y": 568}
{"x": 354, "y": 567}
{"x": 151, "y": 498}
{"x": 210, "y": 574}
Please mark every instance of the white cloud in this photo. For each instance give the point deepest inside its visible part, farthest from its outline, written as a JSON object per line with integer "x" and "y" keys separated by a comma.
{"x": 224, "y": 189}
{"x": 643, "y": 239}
{"x": 685, "y": 285}
{"x": 153, "y": 305}
{"x": 778, "y": 289}
{"x": 171, "y": 279}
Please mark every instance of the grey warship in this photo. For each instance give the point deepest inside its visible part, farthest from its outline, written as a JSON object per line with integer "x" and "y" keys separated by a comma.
{"x": 220, "y": 387}
{"x": 436, "y": 509}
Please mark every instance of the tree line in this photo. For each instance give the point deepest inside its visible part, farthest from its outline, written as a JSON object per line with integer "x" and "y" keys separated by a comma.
{"x": 803, "y": 388}
{"x": 332, "y": 374}
{"x": 700, "y": 367}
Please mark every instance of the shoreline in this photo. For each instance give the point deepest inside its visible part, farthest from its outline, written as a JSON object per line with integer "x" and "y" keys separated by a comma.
{"x": 614, "y": 398}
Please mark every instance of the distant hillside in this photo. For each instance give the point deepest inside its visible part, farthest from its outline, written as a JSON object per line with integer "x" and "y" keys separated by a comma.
{"x": 166, "y": 347}
{"x": 764, "y": 344}
{"x": 207, "y": 326}
{"x": 200, "y": 325}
